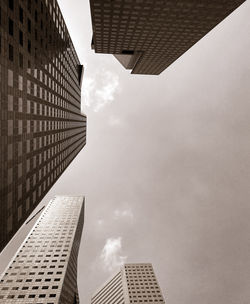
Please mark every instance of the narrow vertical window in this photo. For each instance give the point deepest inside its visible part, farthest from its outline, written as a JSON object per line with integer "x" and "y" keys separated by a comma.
{"x": 20, "y": 14}
{"x": 11, "y": 52}
{"x": 20, "y": 60}
{"x": 29, "y": 25}
{"x": 11, "y": 27}
{"x": 21, "y": 38}
{"x": 11, "y": 4}
{"x": 29, "y": 46}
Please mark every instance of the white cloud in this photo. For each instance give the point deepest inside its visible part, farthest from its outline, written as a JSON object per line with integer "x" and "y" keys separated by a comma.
{"x": 99, "y": 90}
{"x": 111, "y": 254}
{"x": 127, "y": 213}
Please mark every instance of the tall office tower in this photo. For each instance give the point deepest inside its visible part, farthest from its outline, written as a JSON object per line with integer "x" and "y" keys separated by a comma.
{"x": 148, "y": 35}
{"x": 41, "y": 125}
{"x": 44, "y": 270}
{"x": 134, "y": 283}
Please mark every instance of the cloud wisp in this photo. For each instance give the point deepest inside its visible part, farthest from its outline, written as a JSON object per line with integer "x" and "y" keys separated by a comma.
{"x": 100, "y": 90}
{"x": 126, "y": 213}
{"x": 111, "y": 256}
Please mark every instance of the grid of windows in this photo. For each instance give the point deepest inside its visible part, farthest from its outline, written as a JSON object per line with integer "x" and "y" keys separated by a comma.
{"x": 42, "y": 128}
{"x": 155, "y": 30}
{"x": 44, "y": 268}
{"x": 134, "y": 283}
{"x": 142, "y": 285}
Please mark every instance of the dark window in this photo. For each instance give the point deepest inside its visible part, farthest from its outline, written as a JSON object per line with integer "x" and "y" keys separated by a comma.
{"x": 29, "y": 25}
{"x": 36, "y": 15}
{"x": 29, "y": 5}
{"x": 20, "y": 60}
{"x": 52, "y": 295}
{"x": 11, "y": 27}
{"x": 21, "y": 37}
{"x": 29, "y": 46}
{"x": 11, "y": 4}
{"x": 11, "y": 52}
{"x": 20, "y": 14}
{"x": 0, "y": 15}
{"x": 42, "y": 296}
{"x": 127, "y": 52}
{"x": 32, "y": 296}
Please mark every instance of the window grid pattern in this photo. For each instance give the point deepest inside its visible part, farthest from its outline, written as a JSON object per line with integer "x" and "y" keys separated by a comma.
{"x": 142, "y": 284}
{"x": 134, "y": 283}
{"x": 45, "y": 268}
{"x": 41, "y": 125}
{"x": 159, "y": 31}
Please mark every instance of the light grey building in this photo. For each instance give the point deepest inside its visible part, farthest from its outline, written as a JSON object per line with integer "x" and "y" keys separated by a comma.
{"x": 134, "y": 283}
{"x": 44, "y": 269}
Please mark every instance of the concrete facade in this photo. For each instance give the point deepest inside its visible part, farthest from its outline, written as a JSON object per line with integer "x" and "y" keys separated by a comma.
{"x": 41, "y": 125}
{"x": 148, "y": 35}
{"x": 134, "y": 283}
{"x": 44, "y": 269}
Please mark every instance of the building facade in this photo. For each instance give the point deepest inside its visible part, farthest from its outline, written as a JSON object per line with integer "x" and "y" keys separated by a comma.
{"x": 44, "y": 269}
{"x": 148, "y": 35}
{"x": 41, "y": 125}
{"x": 134, "y": 283}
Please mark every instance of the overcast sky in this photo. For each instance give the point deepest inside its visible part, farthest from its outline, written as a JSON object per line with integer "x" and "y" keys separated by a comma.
{"x": 166, "y": 168}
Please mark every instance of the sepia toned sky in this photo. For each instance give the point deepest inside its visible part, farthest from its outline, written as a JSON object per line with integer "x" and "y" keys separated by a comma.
{"x": 166, "y": 168}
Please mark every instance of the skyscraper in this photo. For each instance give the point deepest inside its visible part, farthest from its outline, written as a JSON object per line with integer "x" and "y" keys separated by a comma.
{"x": 148, "y": 35}
{"x": 44, "y": 270}
{"x": 134, "y": 283}
{"x": 41, "y": 125}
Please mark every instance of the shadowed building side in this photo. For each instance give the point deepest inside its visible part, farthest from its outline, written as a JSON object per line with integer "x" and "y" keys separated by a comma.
{"x": 42, "y": 128}
{"x": 154, "y": 33}
{"x": 69, "y": 293}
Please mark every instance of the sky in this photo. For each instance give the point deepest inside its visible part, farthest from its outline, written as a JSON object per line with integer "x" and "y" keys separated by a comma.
{"x": 166, "y": 168}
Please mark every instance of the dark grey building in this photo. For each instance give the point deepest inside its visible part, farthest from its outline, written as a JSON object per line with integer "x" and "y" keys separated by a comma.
{"x": 133, "y": 284}
{"x": 44, "y": 269}
{"x": 148, "y": 35}
{"x": 41, "y": 125}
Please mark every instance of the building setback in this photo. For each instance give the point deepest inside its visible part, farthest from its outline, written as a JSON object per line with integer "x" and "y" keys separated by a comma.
{"x": 134, "y": 283}
{"x": 41, "y": 125}
{"x": 148, "y": 35}
{"x": 44, "y": 269}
